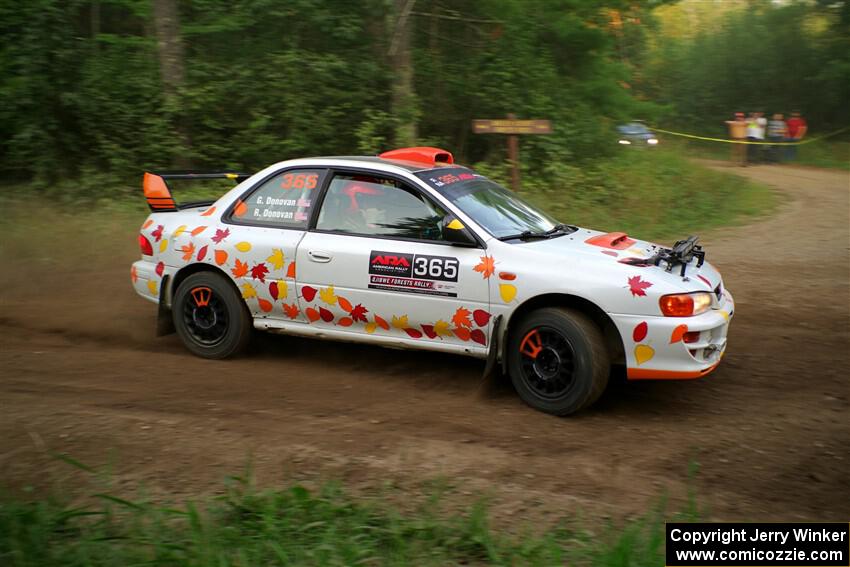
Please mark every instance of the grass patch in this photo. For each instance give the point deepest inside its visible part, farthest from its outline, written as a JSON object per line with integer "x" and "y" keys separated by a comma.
{"x": 652, "y": 194}
{"x": 295, "y": 526}
{"x": 830, "y": 153}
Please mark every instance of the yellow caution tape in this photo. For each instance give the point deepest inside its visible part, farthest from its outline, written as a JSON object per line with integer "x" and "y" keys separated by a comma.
{"x": 726, "y": 141}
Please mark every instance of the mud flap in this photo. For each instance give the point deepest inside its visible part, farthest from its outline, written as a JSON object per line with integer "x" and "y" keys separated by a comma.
{"x": 164, "y": 321}
{"x": 492, "y": 356}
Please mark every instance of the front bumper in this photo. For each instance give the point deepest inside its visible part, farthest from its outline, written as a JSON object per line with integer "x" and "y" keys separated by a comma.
{"x": 655, "y": 350}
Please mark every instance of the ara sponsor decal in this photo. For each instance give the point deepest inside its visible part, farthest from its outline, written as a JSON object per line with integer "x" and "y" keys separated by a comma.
{"x": 413, "y": 273}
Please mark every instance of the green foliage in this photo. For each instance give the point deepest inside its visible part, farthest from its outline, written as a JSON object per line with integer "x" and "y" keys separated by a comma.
{"x": 296, "y": 526}
{"x": 750, "y": 56}
{"x": 266, "y": 81}
{"x": 652, "y": 194}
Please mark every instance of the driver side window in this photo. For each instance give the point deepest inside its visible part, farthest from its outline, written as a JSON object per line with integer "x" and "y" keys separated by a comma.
{"x": 377, "y": 206}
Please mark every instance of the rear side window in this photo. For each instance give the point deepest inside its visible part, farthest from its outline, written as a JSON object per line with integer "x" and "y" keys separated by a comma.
{"x": 284, "y": 200}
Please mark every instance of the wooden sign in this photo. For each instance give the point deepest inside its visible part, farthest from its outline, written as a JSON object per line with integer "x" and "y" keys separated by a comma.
{"x": 513, "y": 128}
{"x": 508, "y": 126}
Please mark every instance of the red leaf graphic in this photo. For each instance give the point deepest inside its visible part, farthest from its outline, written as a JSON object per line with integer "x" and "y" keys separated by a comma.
{"x": 345, "y": 322}
{"x": 265, "y": 305}
{"x": 477, "y": 335}
{"x": 273, "y": 290}
{"x": 160, "y": 268}
{"x": 157, "y": 233}
{"x": 202, "y": 253}
{"x": 259, "y": 272}
{"x": 429, "y": 331}
{"x": 358, "y": 313}
{"x": 640, "y": 332}
{"x": 220, "y": 235}
{"x": 326, "y": 315}
{"x": 382, "y": 323}
{"x": 481, "y": 317}
{"x": 413, "y": 333}
{"x": 308, "y": 293}
{"x": 637, "y": 286}
{"x": 312, "y": 314}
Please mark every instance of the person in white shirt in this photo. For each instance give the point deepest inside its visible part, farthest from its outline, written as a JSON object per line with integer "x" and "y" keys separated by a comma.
{"x": 756, "y": 125}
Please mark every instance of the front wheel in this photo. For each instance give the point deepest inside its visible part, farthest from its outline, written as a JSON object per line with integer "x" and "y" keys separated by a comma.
{"x": 210, "y": 317}
{"x": 557, "y": 360}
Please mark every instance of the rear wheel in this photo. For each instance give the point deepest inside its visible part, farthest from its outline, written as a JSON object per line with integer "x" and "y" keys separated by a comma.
{"x": 557, "y": 360}
{"x": 210, "y": 317}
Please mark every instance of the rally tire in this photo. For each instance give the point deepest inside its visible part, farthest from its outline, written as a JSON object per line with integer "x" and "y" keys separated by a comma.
{"x": 210, "y": 317}
{"x": 557, "y": 360}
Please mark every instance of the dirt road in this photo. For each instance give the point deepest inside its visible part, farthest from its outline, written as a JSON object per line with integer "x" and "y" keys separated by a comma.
{"x": 81, "y": 373}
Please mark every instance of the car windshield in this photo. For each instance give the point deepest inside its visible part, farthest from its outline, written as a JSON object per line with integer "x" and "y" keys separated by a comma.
{"x": 633, "y": 128}
{"x": 499, "y": 211}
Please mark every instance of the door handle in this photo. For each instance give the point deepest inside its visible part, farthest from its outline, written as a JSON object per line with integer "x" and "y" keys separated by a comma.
{"x": 319, "y": 256}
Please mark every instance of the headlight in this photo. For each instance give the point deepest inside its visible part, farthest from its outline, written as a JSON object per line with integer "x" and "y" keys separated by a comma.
{"x": 685, "y": 304}
{"x": 625, "y": 142}
{"x": 652, "y": 141}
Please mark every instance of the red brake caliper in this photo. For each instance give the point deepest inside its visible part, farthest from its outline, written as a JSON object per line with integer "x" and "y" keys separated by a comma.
{"x": 531, "y": 345}
{"x": 202, "y": 296}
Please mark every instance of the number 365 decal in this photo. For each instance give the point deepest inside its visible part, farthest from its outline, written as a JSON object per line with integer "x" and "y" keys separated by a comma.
{"x": 435, "y": 268}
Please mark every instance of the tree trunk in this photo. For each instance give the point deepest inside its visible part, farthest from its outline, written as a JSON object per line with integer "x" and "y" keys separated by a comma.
{"x": 403, "y": 102}
{"x": 169, "y": 45}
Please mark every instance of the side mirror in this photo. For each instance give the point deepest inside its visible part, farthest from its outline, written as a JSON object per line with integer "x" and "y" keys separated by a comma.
{"x": 454, "y": 232}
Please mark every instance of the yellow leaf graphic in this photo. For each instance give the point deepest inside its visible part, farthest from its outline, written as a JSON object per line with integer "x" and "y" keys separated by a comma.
{"x": 370, "y": 327}
{"x": 442, "y": 328}
{"x": 644, "y": 353}
{"x": 163, "y": 244}
{"x": 282, "y": 289}
{"x": 180, "y": 230}
{"x": 248, "y": 291}
{"x": 276, "y": 259}
{"x": 328, "y": 295}
{"x": 724, "y": 314}
{"x": 507, "y": 291}
{"x": 152, "y": 287}
{"x": 400, "y": 322}
{"x": 243, "y": 246}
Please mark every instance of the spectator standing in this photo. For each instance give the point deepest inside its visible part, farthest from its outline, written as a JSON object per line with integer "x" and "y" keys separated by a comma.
{"x": 738, "y": 133}
{"x": 755, "y": 133}
{"x": 796, "y": 128}
{"x": 777, "y": 131}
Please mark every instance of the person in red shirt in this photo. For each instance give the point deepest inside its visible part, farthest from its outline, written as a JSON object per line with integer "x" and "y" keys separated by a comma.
{"x": 796, "y": 128}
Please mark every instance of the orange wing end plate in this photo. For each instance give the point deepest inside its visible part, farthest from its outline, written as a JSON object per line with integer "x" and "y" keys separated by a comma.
{"x": 157, "y": 193}
{"x": 424, "y": 154}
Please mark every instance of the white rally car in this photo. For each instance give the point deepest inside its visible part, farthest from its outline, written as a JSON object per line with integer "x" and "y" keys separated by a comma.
{"x": 408, "y": 250}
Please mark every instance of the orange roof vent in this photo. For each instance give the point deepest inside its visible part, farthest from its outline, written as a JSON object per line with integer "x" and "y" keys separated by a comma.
{"x": 423, "y": 154}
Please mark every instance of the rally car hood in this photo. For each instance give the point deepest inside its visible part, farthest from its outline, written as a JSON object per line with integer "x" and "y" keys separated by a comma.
{"x": 613, "y": 250}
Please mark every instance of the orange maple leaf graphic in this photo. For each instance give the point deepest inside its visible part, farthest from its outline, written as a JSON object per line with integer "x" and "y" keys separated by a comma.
{"x": 240, "y": 269}
{"x": 188, "y": 251}
{"x": 291, "y": 310}
{"x": 486, "y": 266}
{"x": 461, "y": 318}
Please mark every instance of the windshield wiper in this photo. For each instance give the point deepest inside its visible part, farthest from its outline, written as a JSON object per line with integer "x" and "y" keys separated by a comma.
{"x": 557, "y": 230}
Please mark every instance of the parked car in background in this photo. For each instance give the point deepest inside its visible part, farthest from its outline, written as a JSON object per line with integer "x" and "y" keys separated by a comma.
{"x": 636, "y": 134}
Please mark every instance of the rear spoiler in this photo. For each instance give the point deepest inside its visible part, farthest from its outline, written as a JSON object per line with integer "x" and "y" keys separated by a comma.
{"x": 158, "y": 193}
